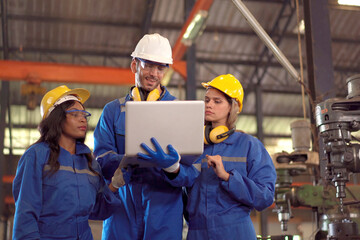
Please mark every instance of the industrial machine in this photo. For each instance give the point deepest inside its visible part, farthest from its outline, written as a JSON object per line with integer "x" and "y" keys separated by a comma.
{"x": 336, "y": 119}
{"x": 336, "y": 204}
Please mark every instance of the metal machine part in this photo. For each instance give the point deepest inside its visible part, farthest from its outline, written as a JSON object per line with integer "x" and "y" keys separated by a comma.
{"x": 289, "y": 165}
{"x": 316, "y": 197}
{"x": 300, "y": 135}
{"x": 336, "y": 119}
{"x": 283, "y": 196}
{"x": 344, "y": 229}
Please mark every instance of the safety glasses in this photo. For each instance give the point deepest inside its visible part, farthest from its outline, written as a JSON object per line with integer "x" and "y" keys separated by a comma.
{"x": 79, "y": 114}
{"x": 149, "y": 65}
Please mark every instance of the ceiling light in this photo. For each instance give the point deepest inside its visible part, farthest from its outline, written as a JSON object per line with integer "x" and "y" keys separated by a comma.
{"x": 349, "y": 2}
{"x": 195, "y": 28}
{"x": 301, "y": 27}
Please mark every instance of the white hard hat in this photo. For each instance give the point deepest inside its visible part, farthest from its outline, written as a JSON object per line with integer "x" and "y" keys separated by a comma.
{"x": 154, "y": 47}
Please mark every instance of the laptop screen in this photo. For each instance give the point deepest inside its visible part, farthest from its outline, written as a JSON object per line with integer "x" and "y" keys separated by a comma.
{"x": 179, "y": 123}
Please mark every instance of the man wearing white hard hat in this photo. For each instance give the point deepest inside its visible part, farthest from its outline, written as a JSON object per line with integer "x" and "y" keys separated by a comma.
{"x": 152, "y": 207}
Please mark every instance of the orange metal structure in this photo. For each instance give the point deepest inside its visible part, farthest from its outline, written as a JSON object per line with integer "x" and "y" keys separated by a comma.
{"x": 8, "y": 178}
{"x": 179, "y": 48}
{"x": 36, "y": 72}
{"x": 52, "y": 72}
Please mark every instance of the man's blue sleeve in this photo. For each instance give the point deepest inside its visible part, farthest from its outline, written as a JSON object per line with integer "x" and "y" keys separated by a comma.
{"x": 105, "y": 149}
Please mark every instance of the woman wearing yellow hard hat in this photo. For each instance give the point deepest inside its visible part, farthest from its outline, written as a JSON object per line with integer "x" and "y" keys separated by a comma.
{"x": 235, "y": 172}
{"x": 58, "y": 185}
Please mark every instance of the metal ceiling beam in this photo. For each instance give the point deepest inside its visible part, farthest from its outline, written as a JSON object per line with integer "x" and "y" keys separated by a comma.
{"x": 67, "y": 20}
{"x": 73, "y": 51}
{"x": 162, "y": 25}
{"x": 179, "y": 66}
{"x": 247, "y": 32}
{"x": 264, "y": 63}
{"x": 265, "y": 54}
{"x": 146, "y": 25}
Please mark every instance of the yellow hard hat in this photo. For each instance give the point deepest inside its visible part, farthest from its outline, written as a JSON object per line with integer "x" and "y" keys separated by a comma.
{"x": 229, "y": 85}
{"x": 59, "y": 95}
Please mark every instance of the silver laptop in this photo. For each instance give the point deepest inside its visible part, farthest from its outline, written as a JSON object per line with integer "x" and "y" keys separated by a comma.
{"x": 179, "y": 123}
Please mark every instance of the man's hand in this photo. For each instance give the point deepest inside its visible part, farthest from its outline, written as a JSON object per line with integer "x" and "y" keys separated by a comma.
{"x": 216, "y": 163}
{"x": 168, "y": 162}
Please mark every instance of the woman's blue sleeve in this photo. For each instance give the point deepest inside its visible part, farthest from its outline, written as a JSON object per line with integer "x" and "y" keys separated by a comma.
{"x": 27, "y": 192}
{"x": 257, "y": 188}
{"x": 106, "y": 202}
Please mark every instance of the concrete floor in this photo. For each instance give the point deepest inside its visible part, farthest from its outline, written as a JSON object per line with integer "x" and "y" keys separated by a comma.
{"x": 304, "y": 229}
{"x": 96, "y": 227}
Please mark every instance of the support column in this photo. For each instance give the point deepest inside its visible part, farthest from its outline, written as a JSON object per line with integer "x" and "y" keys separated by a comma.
{"x": 5, "y": 105}
{"x": 260, "y": 135}
{"x": 190, "y": 85}
{"x": 319, "y": 62}
{"x": 5, "y": 88}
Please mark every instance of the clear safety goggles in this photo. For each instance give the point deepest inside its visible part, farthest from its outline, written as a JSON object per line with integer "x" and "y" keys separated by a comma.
{"x": 79, "y": 114}
{"x": 149, "y": 65}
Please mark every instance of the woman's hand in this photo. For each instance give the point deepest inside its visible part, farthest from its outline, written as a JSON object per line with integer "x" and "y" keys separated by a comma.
{"x": 216, "y": 163}
{"x": 121, "y": 177}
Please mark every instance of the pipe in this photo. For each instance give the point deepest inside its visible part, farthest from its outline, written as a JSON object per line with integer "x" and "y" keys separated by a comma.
{"x": 266, "y": 39}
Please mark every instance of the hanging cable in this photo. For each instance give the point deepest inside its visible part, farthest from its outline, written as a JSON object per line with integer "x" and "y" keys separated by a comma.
{"x": 304, "y": 88}
{"x": 301, "y": 59}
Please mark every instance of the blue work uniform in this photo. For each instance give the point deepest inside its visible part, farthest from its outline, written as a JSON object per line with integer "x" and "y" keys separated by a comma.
{"x": 220, "y": 209}
{"x": 152, "y": 207}
{"x": 58, "y": 206}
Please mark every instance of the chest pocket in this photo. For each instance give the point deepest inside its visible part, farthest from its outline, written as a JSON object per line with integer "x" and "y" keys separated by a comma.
{"x": 55, "y": 189}
{"x": 49, "y": 181}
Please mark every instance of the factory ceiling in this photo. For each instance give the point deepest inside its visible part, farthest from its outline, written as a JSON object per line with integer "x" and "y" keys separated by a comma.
{"x": 87, "y": 43}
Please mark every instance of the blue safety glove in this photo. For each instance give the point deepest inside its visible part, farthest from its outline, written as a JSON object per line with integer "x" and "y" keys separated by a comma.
{"x": 168, "y": 162}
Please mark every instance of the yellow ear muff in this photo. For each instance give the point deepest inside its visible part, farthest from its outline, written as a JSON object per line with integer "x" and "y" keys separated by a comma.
{"x": 217, "y": 132}
{"x": 154, "y": 95}
{"x": 216, "y": 135}
{"x": 207, "y": 129}
{"x": 137, "y": 95}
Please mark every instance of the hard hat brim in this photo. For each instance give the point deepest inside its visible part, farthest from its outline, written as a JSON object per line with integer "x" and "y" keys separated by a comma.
{"x": 81, "y": 93}
{"x": 205, "y": 85}
{"x": 152, "y": 58}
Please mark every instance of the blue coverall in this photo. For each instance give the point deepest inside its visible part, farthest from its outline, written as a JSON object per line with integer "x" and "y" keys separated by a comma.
{"x": 58, "y": 206}
{"x": 152, "y": 207}
{"x": 220, "y": 209}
